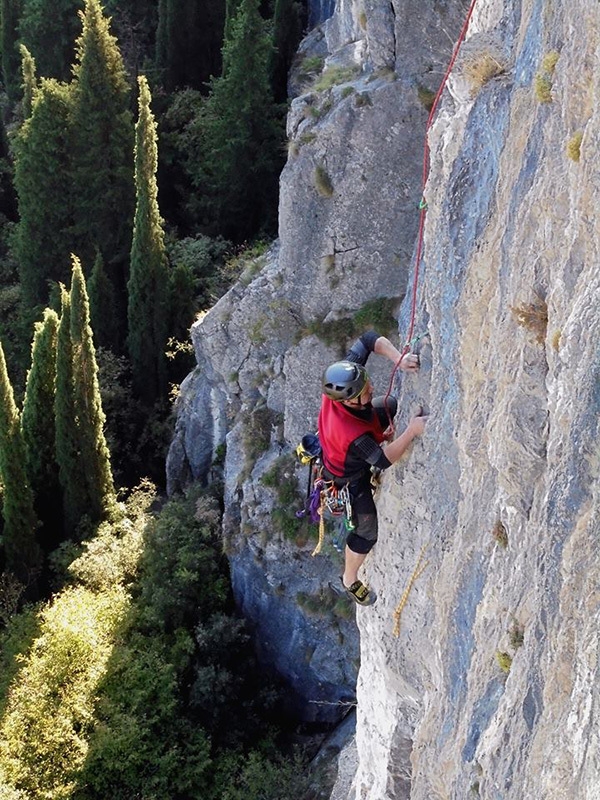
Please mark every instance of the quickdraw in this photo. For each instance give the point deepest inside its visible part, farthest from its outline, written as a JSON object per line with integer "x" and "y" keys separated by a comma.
{"x": 334, "y": 501}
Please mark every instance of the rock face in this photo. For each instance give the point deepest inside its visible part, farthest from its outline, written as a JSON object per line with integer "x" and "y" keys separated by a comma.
{"x": 489, "y": 528}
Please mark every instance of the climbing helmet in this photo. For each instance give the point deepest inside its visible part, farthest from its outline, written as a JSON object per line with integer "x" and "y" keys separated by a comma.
{"x": 344, "y": 380}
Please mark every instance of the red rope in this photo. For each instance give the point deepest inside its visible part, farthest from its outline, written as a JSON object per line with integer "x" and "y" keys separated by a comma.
{"x": 423, "y": 204}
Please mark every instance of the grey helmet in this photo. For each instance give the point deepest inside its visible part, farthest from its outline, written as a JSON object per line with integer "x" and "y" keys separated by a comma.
{"x": 344, "y": 380}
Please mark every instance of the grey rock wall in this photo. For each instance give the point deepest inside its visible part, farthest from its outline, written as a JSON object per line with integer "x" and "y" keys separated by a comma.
{"x": 512, "y": 439}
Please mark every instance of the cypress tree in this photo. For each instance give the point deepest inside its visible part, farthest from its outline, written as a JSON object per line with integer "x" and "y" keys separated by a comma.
{"x": 103, "y": 143}
{"x": 29, "y": 80}
{"x": 49, "y": 28}
{"x": 104, "y": 315}
{"x": 287, "y": 32}
{"x": 39, "y": 430}
{"x": 147, "y": 308}
{"x": 11, "y": 11}
{"x": 231, "y": 9}
{"x": 95, "y": 468}
{"x": 242, "y": 132}
{"x": 22, "y": 553}
{"x": 42, "y": 181}
{"x": 188, "y": 42}
{"x": 75, "y": 499}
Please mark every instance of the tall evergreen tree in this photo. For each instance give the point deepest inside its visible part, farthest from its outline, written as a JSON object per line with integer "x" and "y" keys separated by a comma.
{"x": 231, "y": 9}
{"x": 148, "y": 303}
{"x": 49, "y": 28}
{"x": 29, "y": 80}
{"x": 104, "y": 316}
{"x": 103, "y": 142}
{"x": 22, "y": 553}
{"x": 68, "y": 454}
{"x": 241, "y": 135}
{"x": 287, "y": 32}
{"x": 188, "y": 42}
{"x": 39, "y": 430}
{"x": 11, "y": 11}
{"x": 42, "y": 180}
{"x": 95, "y": 467}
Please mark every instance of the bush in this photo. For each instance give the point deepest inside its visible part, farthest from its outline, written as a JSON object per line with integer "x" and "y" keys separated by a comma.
{"x": 45, "y": 728}
{"x": 334, "y": 76}
{"x": 534, "y": 317}
{"x": 323, "y": 183}
{"x": 139, "y": 682}
{"x": 574, "y": 146}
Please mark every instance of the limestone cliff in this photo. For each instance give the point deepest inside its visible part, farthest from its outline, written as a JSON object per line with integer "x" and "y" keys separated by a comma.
{"x": 490, "y": 687}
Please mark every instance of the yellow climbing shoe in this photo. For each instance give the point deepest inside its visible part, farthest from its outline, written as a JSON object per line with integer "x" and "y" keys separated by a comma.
{"x": 360, "y": 593}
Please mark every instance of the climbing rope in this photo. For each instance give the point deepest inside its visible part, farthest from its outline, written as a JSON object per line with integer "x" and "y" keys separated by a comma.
{"x": 419, "y": 569}
{"x": 421, "y": 565}
{"x": 423, "y": 203}
{"x": 321, "y": 512}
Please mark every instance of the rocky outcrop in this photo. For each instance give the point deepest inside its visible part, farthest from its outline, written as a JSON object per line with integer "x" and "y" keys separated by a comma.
{"x": 478, "y": 673}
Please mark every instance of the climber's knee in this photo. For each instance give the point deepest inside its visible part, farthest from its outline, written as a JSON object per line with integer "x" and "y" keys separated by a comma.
{"x": 364, "y": 535}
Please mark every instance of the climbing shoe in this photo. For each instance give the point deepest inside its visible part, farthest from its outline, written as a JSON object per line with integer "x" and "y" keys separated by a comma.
{"x": 360, "y": 593}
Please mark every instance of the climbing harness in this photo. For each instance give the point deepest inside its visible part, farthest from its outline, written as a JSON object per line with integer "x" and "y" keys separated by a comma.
{"x": 334, "y": 503}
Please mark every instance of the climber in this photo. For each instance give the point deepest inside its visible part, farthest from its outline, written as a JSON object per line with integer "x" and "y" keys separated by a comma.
{"x": 354, "y": 430}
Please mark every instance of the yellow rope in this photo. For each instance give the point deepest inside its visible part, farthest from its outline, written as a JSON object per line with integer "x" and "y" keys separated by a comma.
{"x": 317, "y": 549}
{"x": 419, "y": 569}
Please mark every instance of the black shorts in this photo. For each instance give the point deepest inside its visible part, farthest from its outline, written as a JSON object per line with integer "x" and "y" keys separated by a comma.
{"x": 364, "y": 516}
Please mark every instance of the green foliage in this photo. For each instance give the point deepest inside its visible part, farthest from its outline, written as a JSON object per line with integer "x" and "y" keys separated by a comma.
{"x": 542, "y": 82}
{"x": 104, "y": 316}
{"x": 238, "y": 134}
{"x": 377, "y": 313}
{"x": 543, "y": 87}
{"x": 205, "y": 259}
{"x": 29, "y": 80}
{"x": 188, "y": 42}
{"x": 257, "y": 432}
{"x": 42, "y": 181}
{"x": 102, "y": 175}
{"x": 124, "y": 417}
{"x": 16, "y": 636}
{"x": 268, "y": 779}
{"x": 311, "y": 65}
{"x": 549, "y": 61}
{"x": 48, "y": 28}
{"x": 75, "y": 501}
{"x": 323, "y": 183}
{"x": 574, "y": 146}
{"x": 504, "y": 661}
{"x": 22, "y": 554}
{"x": 516, "y": 635}
{"x": 9, "y": 20}
{"x": 94, "y": 462}
{"x": 147, "y": 305}
{"x": 282, "y": 479}
{"x": 39, "y": 429}
{"x": 180, "y": 561}
{"x": 287, "y": 32}
{"x": 137, "y": 681}
{"x": 334, "y": 76}
{"x": 44, "y": 730}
